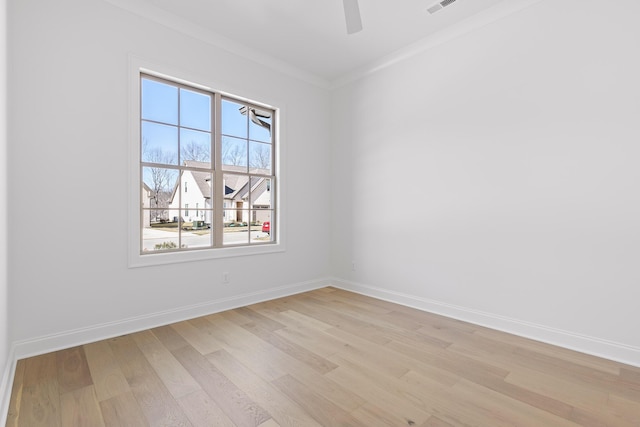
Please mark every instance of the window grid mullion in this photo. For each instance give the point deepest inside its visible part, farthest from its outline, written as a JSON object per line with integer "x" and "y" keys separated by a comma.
{"x": 218, "y": 187}
{"x": 180, "y": 175}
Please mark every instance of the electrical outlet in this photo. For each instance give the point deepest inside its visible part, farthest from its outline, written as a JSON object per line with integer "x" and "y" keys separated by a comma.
{"x": 225, "y": 277}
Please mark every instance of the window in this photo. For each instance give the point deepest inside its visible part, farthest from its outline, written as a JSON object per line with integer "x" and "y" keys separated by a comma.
{"x": 219, "y": 148}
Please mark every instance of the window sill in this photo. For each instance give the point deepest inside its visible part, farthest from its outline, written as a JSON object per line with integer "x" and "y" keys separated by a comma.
{"x": 137, "y": 260}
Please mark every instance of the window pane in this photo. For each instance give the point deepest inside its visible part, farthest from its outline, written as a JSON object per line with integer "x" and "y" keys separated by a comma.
{"x": 159, "y": 143}
{"x": 195, "y": 110}
{"x": 195, "y": 194}
{"x": 195, "y": 189}
{"x": 261, "y": 226}
{"x": 158, "y": 187}
{"x": 259, "y": 125}
{"x": 261, "y": 193}
{"x": 196, "y": 233}
{"x": 260, "y": 158}
{"x": 236, "y": 191}
{"x": 234, "y": 122}
{"x": 196, "y": 146}
{"x": 159, "y": 102}
{"x": 236, "y": 227}
{"x": 161, "y": 235}
{"x": 234, "y": 153}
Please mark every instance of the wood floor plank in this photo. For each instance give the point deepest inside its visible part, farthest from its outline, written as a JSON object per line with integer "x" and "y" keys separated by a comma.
{"x": 203, "y": 411}
{"x": 198, "y": 339}
{"x": 523, "y": 394}
{"x": 624, "y": 410}
{"x": 447, "y": 406}
{"x": 174, "y": 376}
{"x": 582, "y": 374}
{"x": 338, "y": 300}
{"x": 342, "y": 321}
{"x": 317, "y": 341}
{"x": 630, "y": 375}
{"x": 39, "y": 369}
{"x": 558, "y": 388}
{"x": 247, "y": 348}
{"x": 73, "y": 370}
{"x": 169, "y": 337}
{"x": 280, "y": 407}
{"x": 374, "y": 415}
{"x": 280, "y": 304}
{"x": 321, "y": 409}
{"x": 241, "y": 409}
{"x": 80, "y": 408}
{"x": 454, "y": 363}
{"x": 295, "y": 319}
{"x": 391, "y": 306}
{"x": 298, "y": 352}
{"x": 156, "y": 403}
{"x": 558, "y": 394}
{"x": 270, "y": 423}
{"x": 493, "y": 409}
{"x": 15, "y": 402}
{"x": 380, "y": 327}
{"x": 235, "y": 317}
{"x": 436, "y": 422}
{"x": 40, "y": 395}
{"x": 367, "y": 352}
{"x": 265, "y": 322}
{"x": 535, "y": 347}
{"x": 123, "y": 411}
{"x": 403, "y": 320}
{"x": 384, "y": 391}
{"x": 108, "y": 379}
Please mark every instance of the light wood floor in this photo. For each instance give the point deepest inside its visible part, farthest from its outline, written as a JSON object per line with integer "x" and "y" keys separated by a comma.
{"x": 323, "y": 358}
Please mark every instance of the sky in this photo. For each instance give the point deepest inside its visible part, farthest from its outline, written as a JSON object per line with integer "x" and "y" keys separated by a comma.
{"x": 174, "y": 117}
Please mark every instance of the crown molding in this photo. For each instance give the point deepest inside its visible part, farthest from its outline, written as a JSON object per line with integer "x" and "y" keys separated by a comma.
{"x": 170, "y": 20}
{"x": 479, "y": 20}
{"x": 174, "y": 22}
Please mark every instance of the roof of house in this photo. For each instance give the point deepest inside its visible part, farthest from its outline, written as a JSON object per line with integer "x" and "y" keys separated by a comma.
{"x": 201, "y": 178}
{"x": 236, "y": 187}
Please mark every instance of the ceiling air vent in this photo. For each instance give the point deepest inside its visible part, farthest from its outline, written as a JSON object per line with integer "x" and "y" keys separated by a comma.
{"x": 439, "y": 6}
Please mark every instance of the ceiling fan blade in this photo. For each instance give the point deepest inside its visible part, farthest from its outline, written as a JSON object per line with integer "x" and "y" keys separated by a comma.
{"x": 352, "y": 16}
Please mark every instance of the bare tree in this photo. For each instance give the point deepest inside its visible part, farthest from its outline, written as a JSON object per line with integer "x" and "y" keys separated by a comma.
{"x": 194, "y": 151}
{"x": 260, "y": 157}
{"x": 160, "y": 180}
{"x": 233, "y": 154}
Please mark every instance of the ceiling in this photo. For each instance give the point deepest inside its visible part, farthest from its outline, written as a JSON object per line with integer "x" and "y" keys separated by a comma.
{"x": 311, "y": 36}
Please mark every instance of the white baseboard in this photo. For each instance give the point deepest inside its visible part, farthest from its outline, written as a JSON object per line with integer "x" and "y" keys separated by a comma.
{"x": 618, "y": 352}
{"x": 67, "y": 339}
{"x": 6, "y": 381}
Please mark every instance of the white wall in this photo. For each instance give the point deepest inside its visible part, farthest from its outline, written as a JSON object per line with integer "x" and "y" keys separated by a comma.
{"x": 513, "y": 151}
{"x": 4, "y": 287}
{"x": 68, "y": 98}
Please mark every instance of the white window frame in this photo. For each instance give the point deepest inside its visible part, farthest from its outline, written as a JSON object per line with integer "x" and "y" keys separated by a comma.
{"x": 137, "y": 67}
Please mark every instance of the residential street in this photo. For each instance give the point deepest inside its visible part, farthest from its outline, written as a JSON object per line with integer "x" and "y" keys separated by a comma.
{"x": 152, "y": 237}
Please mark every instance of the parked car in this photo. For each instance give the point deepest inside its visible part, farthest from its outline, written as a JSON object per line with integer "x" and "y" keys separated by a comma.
{"x": 266, "y": 227}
